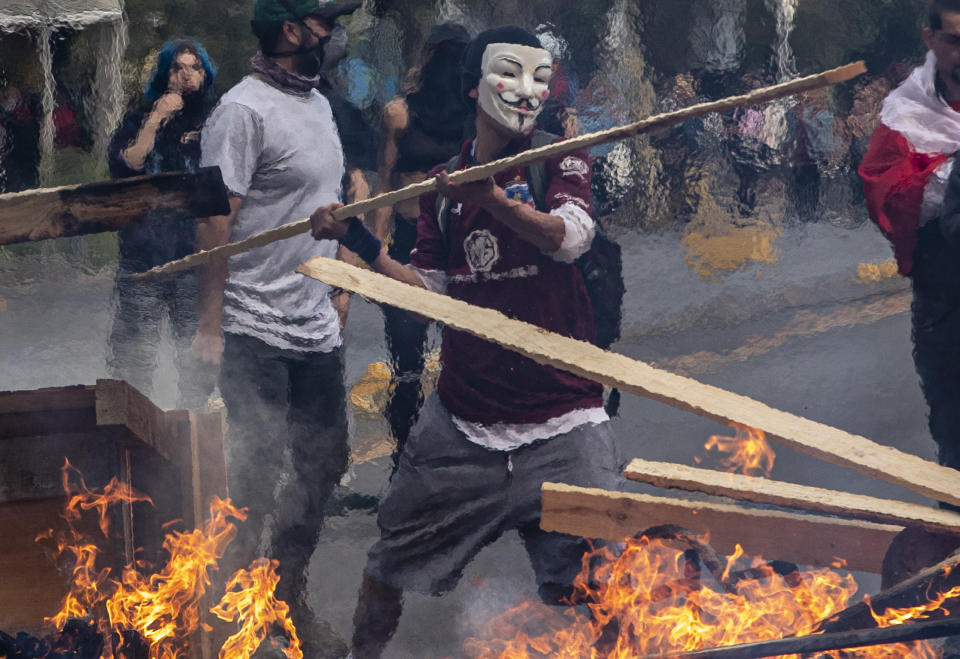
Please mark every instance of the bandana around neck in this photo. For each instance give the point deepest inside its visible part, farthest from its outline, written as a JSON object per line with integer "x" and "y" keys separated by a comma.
{"x": 916, "y": 111}
{"x": 279, "y": 77}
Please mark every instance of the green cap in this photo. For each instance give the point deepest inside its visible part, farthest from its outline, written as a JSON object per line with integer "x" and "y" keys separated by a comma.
{"x": 278, "y": 11}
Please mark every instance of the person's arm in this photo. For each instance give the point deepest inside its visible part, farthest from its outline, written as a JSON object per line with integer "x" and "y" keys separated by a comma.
{"x": 212, "y": 232}
{"x": 135, "y": 155}
{"x": 395, "y": 120}
{"x": 543, "y": 230}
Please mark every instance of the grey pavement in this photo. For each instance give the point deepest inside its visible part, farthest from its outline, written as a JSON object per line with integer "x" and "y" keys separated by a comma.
{"x": 802, "y": 334}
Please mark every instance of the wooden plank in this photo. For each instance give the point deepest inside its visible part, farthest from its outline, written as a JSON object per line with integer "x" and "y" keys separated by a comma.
{"x": 130, "y": 415}
{"x": 486, "y": 170}
{"x": 810, "y": 437}
{"x": 109, "y": 205}
{"x": 211, "y": 430}
{"x": 814, "y": 540}
{"x": 791, "y": 495}
{"x": 47, "y": 411}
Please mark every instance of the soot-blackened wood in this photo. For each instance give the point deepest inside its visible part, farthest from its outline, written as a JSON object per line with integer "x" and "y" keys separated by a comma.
{"x": 914, "y": 591}
{"x": 110, "y": 205}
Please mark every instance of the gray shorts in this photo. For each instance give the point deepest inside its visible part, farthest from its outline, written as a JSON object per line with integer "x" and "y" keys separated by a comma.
{"x": 450, "y": 497}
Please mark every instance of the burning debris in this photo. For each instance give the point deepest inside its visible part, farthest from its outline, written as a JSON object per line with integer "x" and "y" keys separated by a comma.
{"x": 152, "y": 612}
{"x": 747, "y": 452}
{"x": 654, "y": 598}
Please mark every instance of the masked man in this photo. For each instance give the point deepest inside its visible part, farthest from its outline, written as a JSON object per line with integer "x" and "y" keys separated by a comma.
{"x": 906, "y": 173}
{"x": 500, "y": 424}
{"x": 274, "y": 138}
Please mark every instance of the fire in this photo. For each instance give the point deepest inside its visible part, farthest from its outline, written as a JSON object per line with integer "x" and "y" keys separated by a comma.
{"x": 249, "y": 598}
{"x": 749, "y": 452}
{"x": 654, "y": 598}
{"x": 163, "y": 608}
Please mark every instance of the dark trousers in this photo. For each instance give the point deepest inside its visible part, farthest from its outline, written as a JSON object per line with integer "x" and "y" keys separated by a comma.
{"x": 406, "y": 339}
{"x": 139, "y": 309}
{"x": 286, "y": 451}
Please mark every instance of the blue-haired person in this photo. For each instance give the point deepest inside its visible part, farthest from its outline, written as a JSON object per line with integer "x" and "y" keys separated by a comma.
{"x": 160, "y": 132}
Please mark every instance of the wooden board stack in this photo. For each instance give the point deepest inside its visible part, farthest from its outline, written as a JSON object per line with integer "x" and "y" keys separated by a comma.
{"x": 850, "y": 527}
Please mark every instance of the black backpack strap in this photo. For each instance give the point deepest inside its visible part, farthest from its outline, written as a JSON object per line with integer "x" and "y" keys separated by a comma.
{"x": 537, "y": 172}
{"x": 443, "y": 203}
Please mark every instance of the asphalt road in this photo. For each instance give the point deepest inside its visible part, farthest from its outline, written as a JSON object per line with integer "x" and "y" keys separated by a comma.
{"x": 802, "y": 332}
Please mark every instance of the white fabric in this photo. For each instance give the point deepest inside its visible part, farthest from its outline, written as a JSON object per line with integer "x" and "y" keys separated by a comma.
{"x": 433, "y": 280}
{"x": 916, "y": 111}
{"x": 578, "y": 231}
{"x": 281, "y": 152}
{"x": 514, "y": 83}
{"x": 934, "y": 192}
{"x": 507, "y": 437}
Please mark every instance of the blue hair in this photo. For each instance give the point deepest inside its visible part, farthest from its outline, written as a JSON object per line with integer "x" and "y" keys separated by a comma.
{"x": 157, "y": 86}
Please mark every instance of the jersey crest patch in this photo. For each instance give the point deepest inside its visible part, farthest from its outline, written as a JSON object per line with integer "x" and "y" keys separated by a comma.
{"x": 574, "y": 167}
{"x": 482, "y": 250}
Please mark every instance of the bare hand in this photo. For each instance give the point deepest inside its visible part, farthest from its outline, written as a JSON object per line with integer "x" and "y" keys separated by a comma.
{"x": 208, "y": 346}
{"x": 167, "y": 105}
{"x": 323, "y": 226}
{"x": 485, "y": 193}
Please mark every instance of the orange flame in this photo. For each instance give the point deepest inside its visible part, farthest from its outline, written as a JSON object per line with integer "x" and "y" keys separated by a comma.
{"x": 749, "y": 452}
{"x": 249, "y": 598}
{"x": 164, "y": 608}
{"x": 652, "y": 599}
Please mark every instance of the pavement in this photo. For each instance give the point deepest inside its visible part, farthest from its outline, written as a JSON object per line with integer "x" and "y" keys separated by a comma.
{"x": 818, "y": 327}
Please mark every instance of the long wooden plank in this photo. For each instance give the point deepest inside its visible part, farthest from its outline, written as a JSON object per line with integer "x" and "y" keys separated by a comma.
{"x": 109, "y": 205}
{"x": 817, "y": 439}
{"x": 480, "y": 172}
{"x": 791, "y": 495}
{"x": 814, "y": 540}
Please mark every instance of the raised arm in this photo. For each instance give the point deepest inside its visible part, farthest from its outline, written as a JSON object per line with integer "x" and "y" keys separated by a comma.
{"x": 395, "y": 121}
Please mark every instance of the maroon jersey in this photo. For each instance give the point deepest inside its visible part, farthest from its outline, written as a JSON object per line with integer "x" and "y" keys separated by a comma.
{"x": 489, "y": 265}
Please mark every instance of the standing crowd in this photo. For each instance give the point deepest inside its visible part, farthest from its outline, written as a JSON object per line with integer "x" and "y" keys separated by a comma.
{"x": 470, "y": 460}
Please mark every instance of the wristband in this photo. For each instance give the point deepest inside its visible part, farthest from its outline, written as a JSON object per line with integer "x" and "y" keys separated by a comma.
{"x": 360, "y": 241}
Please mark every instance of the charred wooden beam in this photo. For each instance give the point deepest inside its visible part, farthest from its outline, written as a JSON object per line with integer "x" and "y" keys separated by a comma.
{"x": 594, "y": 513}
{"x": 791, "y": 495}
{"x": 917, "y": 631}
{"x": 581, "y": 358}
{"x": 110, "y": 205}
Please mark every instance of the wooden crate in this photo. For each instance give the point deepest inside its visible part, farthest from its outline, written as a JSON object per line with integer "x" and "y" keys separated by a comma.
{"x": 107, "y": 430}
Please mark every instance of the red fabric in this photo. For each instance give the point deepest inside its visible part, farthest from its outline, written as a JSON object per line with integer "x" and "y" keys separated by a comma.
{"x": 894, "y": 177}
{"x": 480, "y": 381}
{"x": 67, "y": 133}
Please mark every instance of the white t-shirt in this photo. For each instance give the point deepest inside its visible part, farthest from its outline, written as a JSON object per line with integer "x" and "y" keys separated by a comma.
{"x": 281, "y": 152}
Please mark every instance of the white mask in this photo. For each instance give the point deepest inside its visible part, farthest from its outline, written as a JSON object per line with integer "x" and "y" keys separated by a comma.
{"x": 514, "y": 83}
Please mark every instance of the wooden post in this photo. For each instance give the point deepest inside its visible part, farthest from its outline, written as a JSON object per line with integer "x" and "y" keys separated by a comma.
{"x": 817, "y": 439}
{"x": 110, "y": 205}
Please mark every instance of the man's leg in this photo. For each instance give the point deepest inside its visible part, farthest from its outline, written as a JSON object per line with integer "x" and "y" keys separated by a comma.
{"x": 375, "y": 618}
{"x": 135, "y": 335}
{"x": 445, "y": 502}
{"x": 317, "y": 424}
{"x": 253, "y": 380}
{"x": 406, "y": 339}
{"x": 196, "y": 380}
{"x": 586, "y": 456}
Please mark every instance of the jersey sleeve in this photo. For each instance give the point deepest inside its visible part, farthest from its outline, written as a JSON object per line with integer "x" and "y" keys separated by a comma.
{"x": 568, "y": 197}
{"x": 895, "y": 178}
{"x": 231, "y": 140}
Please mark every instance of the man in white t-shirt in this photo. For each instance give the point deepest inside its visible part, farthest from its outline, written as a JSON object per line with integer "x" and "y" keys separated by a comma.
{"x": 278, "y": 333}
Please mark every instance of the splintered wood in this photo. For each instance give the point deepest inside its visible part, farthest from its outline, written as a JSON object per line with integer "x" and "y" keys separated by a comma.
{"x": 110, "y": 205}
{"x": 791, "y": 495}
{"x": 803, "y": 435}
{"x": 815, "y": 540}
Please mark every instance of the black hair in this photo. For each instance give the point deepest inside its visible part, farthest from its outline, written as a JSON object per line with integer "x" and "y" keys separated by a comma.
{"x": 937, "y": 7}
{"x": 473, "y": 55}
{"x": 267, "y": 34}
